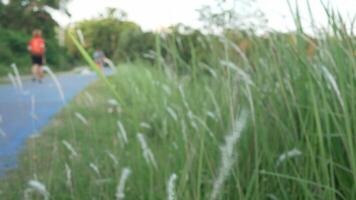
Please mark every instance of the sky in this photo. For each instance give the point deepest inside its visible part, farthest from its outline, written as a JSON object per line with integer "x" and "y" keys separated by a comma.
{"x": 155, "y": 14}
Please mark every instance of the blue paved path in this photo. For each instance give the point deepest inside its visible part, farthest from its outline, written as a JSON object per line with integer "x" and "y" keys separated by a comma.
{"x": 16, "y": 120}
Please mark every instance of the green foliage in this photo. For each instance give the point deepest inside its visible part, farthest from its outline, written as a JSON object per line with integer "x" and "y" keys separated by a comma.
{"x": 120, "y": 40}
{"x": 18, "y": 20}
{"x": 12, "y": 42}
{"x": 23, "y": 18}
{"x": 13, "y": 49}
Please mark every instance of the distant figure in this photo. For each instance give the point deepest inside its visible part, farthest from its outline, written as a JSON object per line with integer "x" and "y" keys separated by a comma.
{"x": 37, "y": 49}
{"x": 99, "y": 57}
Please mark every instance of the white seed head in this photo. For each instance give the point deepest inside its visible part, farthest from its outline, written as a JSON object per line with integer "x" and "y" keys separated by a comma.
{"x": 81, "y": 118}
{"x": 212, "y": 115}
{"x": 227, "y": 154}
{"x": 120, "y": 190}
{"x": 56, "y": 82}
{"x": 68, "y": 175}
{"x": 332, "y": 82}
{"x": 94, "y": 168}
{"x": 145, "y": 125}
{"x": 80, "y": 36}
{"x": 122, "y": 131}
{"x": 112, "y": 157}
{"x": 70, "y": 148}
{"x": 147, "y": 153}
{"x": 289, "y": 154}
{"x": 181, "y": 91}
{"x": 172, "y": 113}
{"x": 171, "y": 186}
{"x": 39, "y": 187}
{"x": 17, "y": 76}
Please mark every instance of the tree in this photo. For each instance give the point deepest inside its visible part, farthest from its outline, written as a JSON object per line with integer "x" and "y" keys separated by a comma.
{"x": 17, "y": 20}
{"x": 119, "y": 38}
{"x": 25, "y": 15}
{"x": 231, "y": 14}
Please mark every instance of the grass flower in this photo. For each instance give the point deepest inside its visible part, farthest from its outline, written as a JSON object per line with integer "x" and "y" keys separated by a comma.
{"x": 95, "y": 168}
{"x": 227, "y": 154}
{"x": 147, "y": 153}
{"x": 145, "y": 125}
{"x": 70, "y": 148}
{"x": 81, "y": 118}
{"x": 181, "y": 91}
{"x": 68, "y": 175}
{"x": 122, "y": 131}
{"x": 56, "y": 82}
{"x": 330, "y": 78}
{"x": 112, "y": 157}
{"x": 171, "y": 186}
{"x": 172, "y": 113}
{"x": 80, "y": 36}
{"x": 37, "y": 186}
{"x": 17, "y": 76}
{"x": 289, "y": 154}
{"x": 212, "y": 115}
{"x": 120, "y": 189}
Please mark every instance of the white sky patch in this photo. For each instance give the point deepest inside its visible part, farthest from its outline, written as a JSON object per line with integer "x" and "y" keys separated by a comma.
{"x": 149, "y": 15}
{"x": 155, "y": 14}
{"x": 280, "y": 18}
{"x": 5, "y": 1}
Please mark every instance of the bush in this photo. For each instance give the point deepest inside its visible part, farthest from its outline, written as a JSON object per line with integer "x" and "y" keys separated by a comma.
{"x": 13, "y": 48}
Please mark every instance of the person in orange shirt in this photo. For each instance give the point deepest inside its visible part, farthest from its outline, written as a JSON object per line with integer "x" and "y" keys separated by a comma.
{"x": 37, "y": 49}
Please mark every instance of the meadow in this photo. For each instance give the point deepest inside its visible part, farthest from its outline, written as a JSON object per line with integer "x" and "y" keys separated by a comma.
{"x": 274, "y": 122}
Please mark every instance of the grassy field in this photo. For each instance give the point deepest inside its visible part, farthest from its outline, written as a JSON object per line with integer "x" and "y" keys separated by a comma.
{"x": 276, "y": 124}
{"x": 155, "y": 107}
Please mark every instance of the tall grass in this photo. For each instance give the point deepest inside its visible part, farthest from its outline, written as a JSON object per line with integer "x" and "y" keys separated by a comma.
{"x": 297, "y": 142}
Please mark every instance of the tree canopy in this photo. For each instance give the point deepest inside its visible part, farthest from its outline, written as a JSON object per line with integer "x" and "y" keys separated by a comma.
{"x": 26, "y": 15}
{"x": 18, "y": 18}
